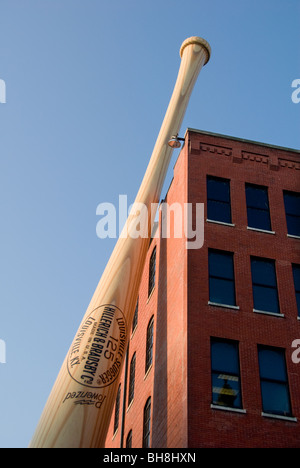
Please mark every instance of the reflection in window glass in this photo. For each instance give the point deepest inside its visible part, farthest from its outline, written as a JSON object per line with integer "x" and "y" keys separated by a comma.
{"x": 226, "y": 388}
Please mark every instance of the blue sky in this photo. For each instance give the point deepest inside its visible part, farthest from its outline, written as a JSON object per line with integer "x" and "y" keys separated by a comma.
{"x": 87, "y": 86}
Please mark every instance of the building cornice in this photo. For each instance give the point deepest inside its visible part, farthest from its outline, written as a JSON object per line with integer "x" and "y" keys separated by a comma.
{"x": 242, "y": 140}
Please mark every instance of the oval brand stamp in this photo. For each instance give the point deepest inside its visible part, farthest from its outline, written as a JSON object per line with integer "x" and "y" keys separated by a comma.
{"x": 98, "y": 348}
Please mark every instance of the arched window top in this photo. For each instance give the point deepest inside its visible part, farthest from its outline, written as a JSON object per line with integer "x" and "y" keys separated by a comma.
{"x": 129, "y": 439}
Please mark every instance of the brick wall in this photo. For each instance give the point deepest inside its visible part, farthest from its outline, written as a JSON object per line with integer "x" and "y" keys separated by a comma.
{"x": 277, "y": 169}
{"x": 179, "y": 381}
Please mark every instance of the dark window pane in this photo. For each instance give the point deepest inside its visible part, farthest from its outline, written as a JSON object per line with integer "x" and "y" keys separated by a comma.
{"x": 257, "y": 197}
{"x": 131, "y": 379}
{"x": 221, "y": 264}
{"x": 258, "y": 207}
{"x": 117, "y": 409}
{"x": 292, "y": 209}
{"x": 293, "y": 225}
{"x": 292, "y": 203}
{"x": 218, "y": 189}
{"x": 152, "y": 269}
{"x": 265, "y": 295}
{"x": 224, "y": 356}
{"x": 296, "y": 274}
{"x": 218, "y": 199}
{"x": 147, "y": 424}
{"x": 272, "y": 364}
{"x": 298, "y": 302}
{"x": 129, "y": 440}
{"x": 218, "y": 211}
{"x": 275, "y": 398}
{"x": 221, "y": 277}
{"x": 263, "y": 272}
{"x": 265, "y": 299}
{"x": 258, "y": 219}
{"x": 135, "y": 317}
{"x": 273, "y": 379}
{"x": 149, "y": 345}
{"x": 221, "y": 291}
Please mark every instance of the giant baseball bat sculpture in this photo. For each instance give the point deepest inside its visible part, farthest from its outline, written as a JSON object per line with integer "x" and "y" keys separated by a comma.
{"x": 79, "y": 408}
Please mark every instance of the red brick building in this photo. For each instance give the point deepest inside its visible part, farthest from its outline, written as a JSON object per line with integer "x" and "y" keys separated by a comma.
{"x": 211, "y": 361}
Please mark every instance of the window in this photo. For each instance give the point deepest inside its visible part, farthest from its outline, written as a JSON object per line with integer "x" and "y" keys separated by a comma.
{"x": 296, "y": 274}
{"x": 258, "y": 207}
{"x": 131, "y": 379}
{"x": 152, "y": 268}
{"x": 117, "y": 409}
{"x": 129, "y": 439}
{"x": 218, "y": 199}
{"x": 292, "y": 212}
{"x": 149, "y": 344}
{"x": 225, "y": 370}
{"x": 264, "y": 284}
{"x": 221, "y": 278}
{"x": 147, "y": 424}
{"x": 135, "y": 317}
{"x": 273, "y": 381}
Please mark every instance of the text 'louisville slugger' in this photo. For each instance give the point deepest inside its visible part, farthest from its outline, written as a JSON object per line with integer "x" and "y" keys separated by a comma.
{"x": 80, "y": 405}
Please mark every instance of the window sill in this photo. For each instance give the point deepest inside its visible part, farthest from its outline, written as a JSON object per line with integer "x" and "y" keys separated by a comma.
{"x": 278, "y": 416}
{"x": 226, "y": 306}
{"x": 260, "y": 230}
{"x": 219, "y": 222}
{"x": 264, "y": 312}
{"x": 293, "y": 236}
{"x": 227, "y": 408}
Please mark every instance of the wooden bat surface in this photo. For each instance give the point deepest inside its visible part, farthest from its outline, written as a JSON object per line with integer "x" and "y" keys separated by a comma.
{"x": 79, "y": 408}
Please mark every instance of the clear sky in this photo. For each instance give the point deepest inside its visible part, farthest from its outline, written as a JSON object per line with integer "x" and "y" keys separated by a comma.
{"x": 87, "y": 86}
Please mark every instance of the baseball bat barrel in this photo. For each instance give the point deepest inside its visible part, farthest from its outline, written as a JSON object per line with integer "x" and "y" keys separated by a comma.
{"x": 78, "y": 411}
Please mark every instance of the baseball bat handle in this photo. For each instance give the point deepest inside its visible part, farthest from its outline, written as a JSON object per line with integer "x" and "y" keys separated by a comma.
{"x": 79, "y": 408}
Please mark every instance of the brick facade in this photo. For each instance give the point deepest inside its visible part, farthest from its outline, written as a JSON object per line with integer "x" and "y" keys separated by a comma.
{"x": 179, "y": 381}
